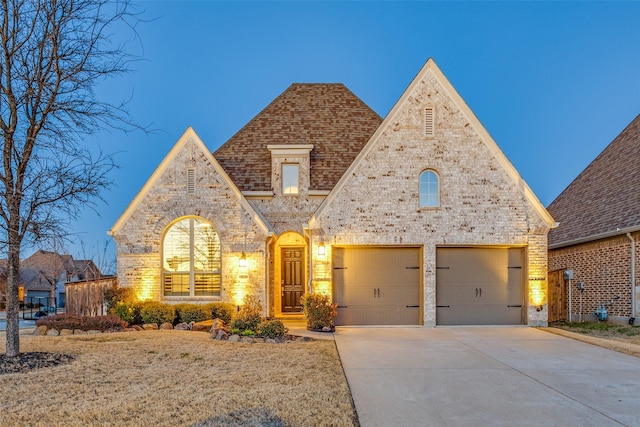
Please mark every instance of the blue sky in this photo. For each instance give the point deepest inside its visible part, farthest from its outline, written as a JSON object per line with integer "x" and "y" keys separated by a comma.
{"x": 552, "y": 82}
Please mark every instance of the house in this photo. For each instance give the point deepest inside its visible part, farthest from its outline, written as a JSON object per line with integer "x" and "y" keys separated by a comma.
{"x": 46, "y": 271}
{"x": 415, "y": 218}
{"x": 598, "y": 239}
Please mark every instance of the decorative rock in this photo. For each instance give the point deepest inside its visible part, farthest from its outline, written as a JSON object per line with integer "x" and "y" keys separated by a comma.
{"x": 247, "y": 339}
{"x": 150, "y": 326}
{"x": 53, "y": 333}
{"x": 217, "y": 325}
{"x": 40, "y": 330}
{"x": 93, "y": 332}
{"x": 166, "y": 326}
{"x": 138, "y": 328}
{"x": 327, "y": 329}
{"x": 234, "y": 338}
{"x": 66, "y": 332}
{"x": 182, "y": 327}
{"x": 221, "y": 335}
{"x": 271, "y": 341}
{"x": 129, "y": 330}
{"x": 79, "y": 332}
{"x": 203, "y": 326}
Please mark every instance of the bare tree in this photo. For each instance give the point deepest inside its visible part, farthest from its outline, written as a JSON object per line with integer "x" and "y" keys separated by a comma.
{"x": 53, "y": 53}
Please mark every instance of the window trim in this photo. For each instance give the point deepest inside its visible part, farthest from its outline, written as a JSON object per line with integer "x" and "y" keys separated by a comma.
{"x": 420, "y": 187}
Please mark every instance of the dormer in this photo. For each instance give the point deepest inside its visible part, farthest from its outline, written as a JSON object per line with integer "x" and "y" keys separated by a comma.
{"x": 290, "y": 166}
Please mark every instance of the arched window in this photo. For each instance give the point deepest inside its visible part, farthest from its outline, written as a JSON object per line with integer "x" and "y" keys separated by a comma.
{"x": 191, "y": 259}
{"x": 429, "y": 189}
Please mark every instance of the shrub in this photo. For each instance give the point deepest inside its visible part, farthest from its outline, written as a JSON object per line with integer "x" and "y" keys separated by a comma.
{"x": 128, "y": 312}
{"x": 248, "y": 333}
{"x": 250, "y": 314}
{"x": 189, "y": 312}
{"x": 318, "y": 310}
{"x": 85, "y": 323}
{"x": 115, "y": 295}
{"x": 272, "y": 329}
{"x": 221, "y": 310}
{"x": 157, "y": 312}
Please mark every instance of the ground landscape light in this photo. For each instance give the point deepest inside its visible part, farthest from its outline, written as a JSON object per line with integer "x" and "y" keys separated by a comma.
{"x": 321, "y": 249}
{"x": 243, "y": 260}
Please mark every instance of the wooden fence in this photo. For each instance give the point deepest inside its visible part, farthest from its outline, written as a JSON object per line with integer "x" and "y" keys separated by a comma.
{"x": 87, "y": 298}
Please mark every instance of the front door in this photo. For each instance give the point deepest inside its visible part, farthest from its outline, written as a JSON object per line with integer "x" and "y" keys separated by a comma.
{"x": 292, "y": 275}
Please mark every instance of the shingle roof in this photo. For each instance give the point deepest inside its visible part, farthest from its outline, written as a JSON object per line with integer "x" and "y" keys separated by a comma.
{"x": 605, "y": 196}
{"x": 329, "y": 116}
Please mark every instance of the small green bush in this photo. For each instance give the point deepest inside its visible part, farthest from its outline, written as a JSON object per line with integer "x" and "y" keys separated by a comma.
{"x": 272, "y": 329}
{"x": 128, "y": 312}
{"x": 115, "y": 295}
{"x": 189, "y": 312}
{"x": 157, "y": 312}
{"x": 248, "y": 333}
{"x": 221, "y": 310}
{"x": 85, "y": 323}
{"x": 250, "y": 314}
{"x": 318, "y": 310}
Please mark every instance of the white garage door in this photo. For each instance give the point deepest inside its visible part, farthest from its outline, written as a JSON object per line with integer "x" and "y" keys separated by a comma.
{"x": 377, "y": 285}
{"x": 479, "y": 286}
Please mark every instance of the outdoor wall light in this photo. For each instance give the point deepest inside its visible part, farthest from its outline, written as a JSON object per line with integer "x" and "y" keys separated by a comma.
{"x": 243, "y": 260}
{"x": 321, "y": 249}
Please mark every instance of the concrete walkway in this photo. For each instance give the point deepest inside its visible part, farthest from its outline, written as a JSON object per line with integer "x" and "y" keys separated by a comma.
{"x": 486, "y": 376}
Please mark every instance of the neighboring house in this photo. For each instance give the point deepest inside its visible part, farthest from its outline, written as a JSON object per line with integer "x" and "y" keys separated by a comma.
{"x": 417, "y": 218}
{"x": 598, "y": 237}
{"x": 45, "y": 271}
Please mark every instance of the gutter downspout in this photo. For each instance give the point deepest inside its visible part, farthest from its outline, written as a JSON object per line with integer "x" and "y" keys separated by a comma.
{"x": 633, "y": 275}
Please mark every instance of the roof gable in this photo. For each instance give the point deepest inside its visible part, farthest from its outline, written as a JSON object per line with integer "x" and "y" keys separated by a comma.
{"x": 430, "y": 68}
{"x": 328, "y": 116}
{"x": 188, "y": 135}
{"x": 605, "y": 197}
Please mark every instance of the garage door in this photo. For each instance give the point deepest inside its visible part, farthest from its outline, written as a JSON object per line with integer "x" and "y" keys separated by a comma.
{"x": 479, "y": 286}
{"x": 377, "y": 286}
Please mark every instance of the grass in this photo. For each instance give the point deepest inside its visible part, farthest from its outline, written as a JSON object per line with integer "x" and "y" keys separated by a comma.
{"x": 177, "y": 378}
{"x": 621, "y": 338}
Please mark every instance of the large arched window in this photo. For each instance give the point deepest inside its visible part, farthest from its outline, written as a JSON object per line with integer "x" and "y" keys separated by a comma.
{"x": 191, "y": 259}
{"x": 429, "y": 189}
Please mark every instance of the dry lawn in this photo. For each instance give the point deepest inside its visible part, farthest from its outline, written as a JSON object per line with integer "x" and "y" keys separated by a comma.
{"x": 178, "y": 378}
{"x": 621, "y": 338}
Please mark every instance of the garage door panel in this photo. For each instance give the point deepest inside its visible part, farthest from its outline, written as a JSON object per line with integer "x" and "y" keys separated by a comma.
{"x": 377, "y": 286}
{"x": 481, "y": 286}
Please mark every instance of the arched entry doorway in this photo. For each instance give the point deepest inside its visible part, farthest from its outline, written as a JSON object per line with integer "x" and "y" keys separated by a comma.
{"x": 290, "y": 260}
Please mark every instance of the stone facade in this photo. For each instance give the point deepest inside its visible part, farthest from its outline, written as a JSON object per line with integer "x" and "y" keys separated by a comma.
{"x": 482, "y": 200}
{"x": 604, "y": 267}
{"x": 138, "y": 234}
{"x": 480, "y": 205}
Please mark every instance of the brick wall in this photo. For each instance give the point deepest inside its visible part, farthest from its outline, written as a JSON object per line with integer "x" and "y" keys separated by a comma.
{"x": 604, "y": 266}
{"x": 479, "y": 203}
{"x": 139, "y": 239}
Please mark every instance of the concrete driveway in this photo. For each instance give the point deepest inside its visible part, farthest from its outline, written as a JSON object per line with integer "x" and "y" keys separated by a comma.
{"x": 486, "y": 376}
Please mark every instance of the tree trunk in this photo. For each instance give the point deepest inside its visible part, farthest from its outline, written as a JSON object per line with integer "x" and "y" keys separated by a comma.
{"x": 13, "y": 303}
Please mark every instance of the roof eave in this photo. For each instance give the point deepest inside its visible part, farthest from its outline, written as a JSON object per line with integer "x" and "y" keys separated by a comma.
{"x": 594, "y": 237}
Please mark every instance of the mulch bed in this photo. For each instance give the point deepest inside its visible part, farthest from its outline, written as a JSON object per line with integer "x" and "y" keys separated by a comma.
{"x": 25, "y": 362}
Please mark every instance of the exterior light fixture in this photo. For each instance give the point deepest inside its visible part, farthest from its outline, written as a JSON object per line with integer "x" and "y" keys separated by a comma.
{"x": 321, "y": 249}
{"x": 243, "y": 260}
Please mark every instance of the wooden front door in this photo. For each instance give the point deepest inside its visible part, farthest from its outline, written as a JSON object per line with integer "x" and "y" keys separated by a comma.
{"x": 557, "y": 299}
{"x": 292, "y": 279}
